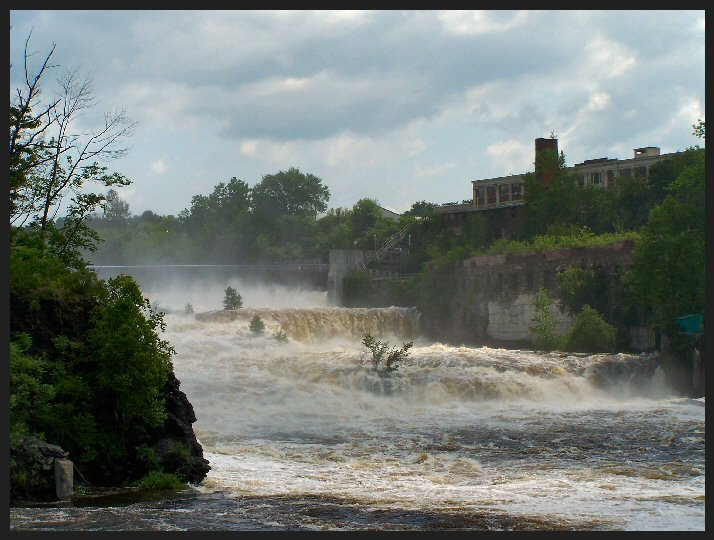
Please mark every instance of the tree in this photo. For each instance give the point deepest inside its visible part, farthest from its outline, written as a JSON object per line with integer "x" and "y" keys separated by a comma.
{"x": 633, "y": 202}
{"x": 51, "y": 156}
{"x": 669, "y": 270}
{"x": 116, "y": 211}
{"x": 580, "y": 286}
{"x": 219, "y": 224}
{"x": 132, "y": 361}
{"x": 285, "y": 208}
{"x": 257, "y": 326}
{"x": 663, "y": 173}
{"x": 289, "y": 192}
{"x": 384, "y": 365}
{"x": 699, "y": 129}
{"x": 551, "y": 203}
{"x": 232, "y": 300}
{"x": 589, "y": 332}
{"x": 27, "y": 137}
{"x": 421, "y": 209}
{"x": 545, "y": 324}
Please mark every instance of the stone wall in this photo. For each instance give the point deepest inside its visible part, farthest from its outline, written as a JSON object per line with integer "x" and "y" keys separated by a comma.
{"x": 492, "y": 299}
{"x": 342, "y": 264}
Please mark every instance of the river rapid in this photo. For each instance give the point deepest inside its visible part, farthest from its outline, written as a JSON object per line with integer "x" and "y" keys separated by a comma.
{"x": 304, "y": 435}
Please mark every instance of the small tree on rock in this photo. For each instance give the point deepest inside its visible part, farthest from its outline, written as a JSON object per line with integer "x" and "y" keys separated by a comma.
{"x": 257, "y": 326}
{"x": 384, "y": 360}
{"x": 232, "y": 300}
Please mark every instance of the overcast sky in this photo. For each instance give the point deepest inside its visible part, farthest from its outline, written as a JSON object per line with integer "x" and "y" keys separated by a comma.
{"x": 398, "y": 106}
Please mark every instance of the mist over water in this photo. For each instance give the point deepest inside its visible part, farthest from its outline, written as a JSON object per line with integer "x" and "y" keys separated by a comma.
{"x": 305, "y": 435}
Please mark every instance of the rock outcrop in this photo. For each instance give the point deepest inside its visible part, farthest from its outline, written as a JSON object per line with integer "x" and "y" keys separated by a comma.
{"x": 32, "y": 460}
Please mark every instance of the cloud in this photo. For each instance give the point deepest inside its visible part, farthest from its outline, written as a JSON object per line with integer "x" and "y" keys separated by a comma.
{"x": 159, "y": 166}
{"x": 479, "y": 21}
{"x": 512, "y": 156}
{"x": 434, "y": 170}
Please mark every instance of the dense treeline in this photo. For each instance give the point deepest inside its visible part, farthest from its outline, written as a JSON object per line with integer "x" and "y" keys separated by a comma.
{"x": 282, "y": 218}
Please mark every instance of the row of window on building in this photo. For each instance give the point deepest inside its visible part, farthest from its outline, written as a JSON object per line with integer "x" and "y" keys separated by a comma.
{"x": 505, "y": 193}
{"x": 608, "y": 179}
{"x": 498, "y": 194}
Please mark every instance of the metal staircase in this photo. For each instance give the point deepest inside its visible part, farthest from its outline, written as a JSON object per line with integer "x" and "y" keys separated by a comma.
{"x": 386, "y": 259}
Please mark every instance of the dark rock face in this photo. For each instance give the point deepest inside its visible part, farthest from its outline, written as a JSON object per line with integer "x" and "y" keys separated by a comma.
{"x": 176, "y": 445}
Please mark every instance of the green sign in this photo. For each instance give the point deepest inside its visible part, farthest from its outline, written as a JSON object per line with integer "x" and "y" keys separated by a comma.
{"x": 692, "y": 323}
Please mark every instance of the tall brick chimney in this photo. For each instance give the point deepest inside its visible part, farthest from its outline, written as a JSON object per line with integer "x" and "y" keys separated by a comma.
{"x": 544, "y": 172}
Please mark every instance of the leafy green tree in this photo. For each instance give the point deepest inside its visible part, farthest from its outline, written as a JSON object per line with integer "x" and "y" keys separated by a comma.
{"x": 232, "y": 300}
{"x": 699, "y": 129}
{"x": 664, "y": 172}
{"x": 552, "y": 202}
{"x": 116, "y": 210}
{"x": 633, "y": 202}
{"x": 589, "y": 332}
{"x": 580, "y": 286}
{"x": 31, "y": 392}
{"x": 544, "y": 330}
{"x": 289, "y": 192}
{"x": 220, "y": 224}
{"x": 421, "y": 209}
{"x": 285, "y": 208}
{"x": 132, "y": 361}
{"x": 669, "y": 270}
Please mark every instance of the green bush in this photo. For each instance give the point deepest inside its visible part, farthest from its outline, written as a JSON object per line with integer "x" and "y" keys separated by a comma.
{"x": 157, "y": 480}
{"x": 31, "y": 394}
{"x": 384, "y": 365}
{"x": 257, "y": 326}
{"x": 280, "y": 336}
{"x": 232, "y": 300}
{"x": 590, "y": 333}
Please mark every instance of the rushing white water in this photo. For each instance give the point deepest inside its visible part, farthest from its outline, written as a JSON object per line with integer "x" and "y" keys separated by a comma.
{"x": 305, "y": 434}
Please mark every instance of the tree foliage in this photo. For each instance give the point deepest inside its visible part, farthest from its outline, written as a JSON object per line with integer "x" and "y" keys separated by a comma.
{"x": 231, "y": 299}
{"x": 544, "y": 330}
{"x": 85, "y": 354}
{"x": 589, "y": 332}
{"x": 670, "y": 256}
{"x": 580, "y": 286}
{"x": 52, "y": 157}
{"x": 257, "y": 326}
{"x": 132, "y": 361}
{"x": 385, "y": 360}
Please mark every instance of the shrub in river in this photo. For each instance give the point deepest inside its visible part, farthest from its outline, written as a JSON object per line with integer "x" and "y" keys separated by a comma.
{"x": 232, "y": 300}
{"x": 189, "y": 308}
{"x": 257, "y": 326}
{"x": 385, "y": 360}
{"x": 280, "y": 336}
